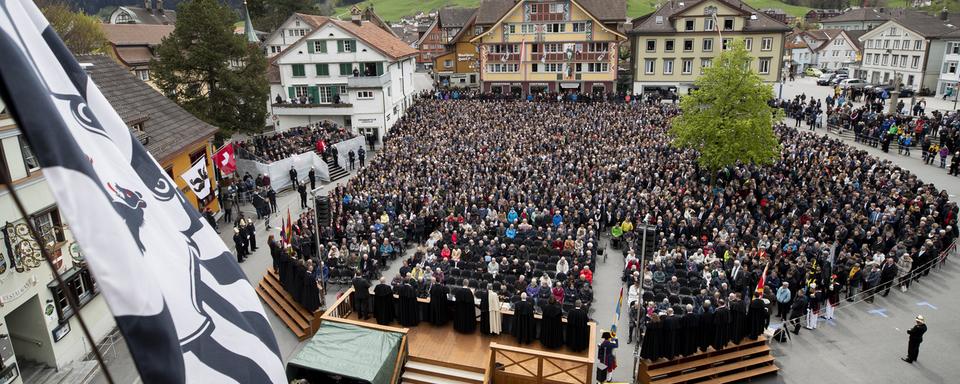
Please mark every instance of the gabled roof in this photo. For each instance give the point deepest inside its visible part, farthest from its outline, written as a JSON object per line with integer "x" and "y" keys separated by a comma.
{"x": 670, "y": 10}
{"x": 854, "y": 38}
{"x": 491, "y": 11}
{"x": 866, "y": 14}
{"x": 823, "y": 34}
{"x": 146, "y": 16}
{"x": 927, "y": 25}
{"x": 455, "y": 17}
{"x": 368, "y": 32}
{"x": 423, "y": 36}
{"x": 136, "y": 34}
{"x": 467, "y": 27}
{"x": 169, "y": 127}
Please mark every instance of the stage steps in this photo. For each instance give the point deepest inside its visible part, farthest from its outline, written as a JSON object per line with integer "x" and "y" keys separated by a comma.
{"x": 298, "y": 319}
{"x": 735, "y": 363}
{"x": 77, "y": 372}
{"x": 424, "y": 371}
{"x": 336, "y": 171}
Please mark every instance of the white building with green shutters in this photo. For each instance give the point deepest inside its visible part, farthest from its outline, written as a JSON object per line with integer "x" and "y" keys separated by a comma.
{"x": 352, "y": 73}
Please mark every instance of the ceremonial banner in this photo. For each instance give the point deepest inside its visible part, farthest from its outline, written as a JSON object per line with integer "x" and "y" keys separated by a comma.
{"x": 182, "y": 303}
{"x": 197, "y": 178}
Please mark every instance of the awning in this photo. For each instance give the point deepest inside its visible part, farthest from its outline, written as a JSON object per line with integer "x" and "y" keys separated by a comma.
{"x": 346, "y": 350}
{"x": 569, "y": 85}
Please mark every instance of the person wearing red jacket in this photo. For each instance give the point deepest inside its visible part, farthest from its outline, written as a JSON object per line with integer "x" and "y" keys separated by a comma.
{"x": 587, "y": 274}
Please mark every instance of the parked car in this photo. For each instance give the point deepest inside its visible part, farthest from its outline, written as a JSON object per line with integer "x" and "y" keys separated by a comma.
{"x": 853, "y": 84}
{"x": 825, "y": 78}
{"x": 880, "y": 89}
{"x": 843, "y": 71}
{"x": 812, "y": 72}
{"x": 838, "y": 79}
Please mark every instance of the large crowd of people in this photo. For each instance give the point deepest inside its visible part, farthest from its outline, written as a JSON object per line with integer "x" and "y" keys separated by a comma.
{"x": 513, "y": 198}
{"x": 317, "y": 137}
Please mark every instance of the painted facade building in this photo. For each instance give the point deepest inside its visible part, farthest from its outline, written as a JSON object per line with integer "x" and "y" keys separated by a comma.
{"x": 459, "y": 65}
{"x": 673, "y": 45}
{"x": 39, "y": 331}
{"x": 549, "y": 46}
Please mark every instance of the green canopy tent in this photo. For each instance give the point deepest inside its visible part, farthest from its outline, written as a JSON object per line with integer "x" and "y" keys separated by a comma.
{"x": 347, "y": 353}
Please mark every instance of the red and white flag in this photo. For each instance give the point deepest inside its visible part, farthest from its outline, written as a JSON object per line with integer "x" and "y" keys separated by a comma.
{"x": 225, "y": 160}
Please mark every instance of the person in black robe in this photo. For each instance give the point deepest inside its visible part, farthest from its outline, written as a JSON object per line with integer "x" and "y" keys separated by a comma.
{"x": 671, "y": 335}
{"x": 722, "y": 324}
{"x": 361, "y": 296}
{"x": 738, "y": 319}
{"x": 756, "y": 318}
{"x": 484, "y": 309}
{"x": 551, "y": 325}
{"x": 299, "y": 275}
{"x": 409, "y": 312}
{"x": 578, "y": 328}
{"x": 439, "y": 305}
{"x": 383, "y": 308}
{"x": 650, "y": 346}
{"x": 707, "y": 329}
{"x": 291, "y": 267}
{"x": 523, "y": 328}
{"x": 690, "y": 331}
{"x": 465, "y": 315}
{"x": 311, "y": 292}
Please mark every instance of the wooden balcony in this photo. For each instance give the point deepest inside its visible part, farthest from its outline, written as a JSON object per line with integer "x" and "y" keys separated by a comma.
{"x": 503, "y": 57}
{"x": 561, "y": 56}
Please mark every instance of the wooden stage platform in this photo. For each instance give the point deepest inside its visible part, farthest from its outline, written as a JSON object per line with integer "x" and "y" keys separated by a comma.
{"x": 443, "y": 344}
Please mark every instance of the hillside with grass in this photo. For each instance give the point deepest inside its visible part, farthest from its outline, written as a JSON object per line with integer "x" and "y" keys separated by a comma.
{"x": 393, "y": 10}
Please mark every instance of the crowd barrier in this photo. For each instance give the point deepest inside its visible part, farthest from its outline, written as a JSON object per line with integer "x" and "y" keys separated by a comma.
{"x": 865, "y": 294}
{"x": 279, "y": 171}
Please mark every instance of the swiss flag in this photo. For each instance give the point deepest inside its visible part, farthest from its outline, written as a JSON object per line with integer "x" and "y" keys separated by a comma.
{"x": 225, "y": 160}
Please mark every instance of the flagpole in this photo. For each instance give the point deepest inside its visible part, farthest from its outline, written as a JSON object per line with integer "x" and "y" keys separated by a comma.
{"x": 71, "y": 300}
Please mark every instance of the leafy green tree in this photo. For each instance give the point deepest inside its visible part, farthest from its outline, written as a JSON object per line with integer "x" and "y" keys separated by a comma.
{"x": 267, "y": 15}
{"x": 727, "y": 120}
{"x": 80, "y": 33}
{"x": 210, "y": 71}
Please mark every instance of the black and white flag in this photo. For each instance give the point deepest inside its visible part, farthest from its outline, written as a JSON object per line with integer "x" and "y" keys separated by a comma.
{"x": 181, "y": 301}
{"x": 197, "y": 178}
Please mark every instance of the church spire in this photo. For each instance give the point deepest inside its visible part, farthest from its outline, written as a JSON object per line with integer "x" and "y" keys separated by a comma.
{"x": 248, "y": 30}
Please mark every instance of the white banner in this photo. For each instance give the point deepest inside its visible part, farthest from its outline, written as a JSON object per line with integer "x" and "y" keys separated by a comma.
{"x": 197, "y": 178}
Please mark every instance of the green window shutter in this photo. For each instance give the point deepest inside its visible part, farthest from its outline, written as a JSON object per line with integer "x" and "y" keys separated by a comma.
{"x": 314, "y": 94}
{"x": 323, "y": 70}
{"x": 353, "y": 45}
{"x": 323, "y": 46}
{"x": 293, "y": 92}
{"x": 346, "y": 69}
{"x": 298, "y": 70}
{"x": 379, "y": 69}
{"x": 310, "y": 46}
{"x": 334, "y": 90}
{"x": 340, "y": 46}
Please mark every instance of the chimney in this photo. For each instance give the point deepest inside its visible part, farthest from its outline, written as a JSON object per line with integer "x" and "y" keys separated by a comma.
{"x": 356, "y": 15}
{"x": 944, "y": 14}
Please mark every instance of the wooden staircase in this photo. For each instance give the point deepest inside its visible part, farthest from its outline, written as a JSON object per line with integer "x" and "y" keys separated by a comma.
{"x": 733, "y": 364}
{"x": 425, "y": 371}
{"x": 303, "y": 323}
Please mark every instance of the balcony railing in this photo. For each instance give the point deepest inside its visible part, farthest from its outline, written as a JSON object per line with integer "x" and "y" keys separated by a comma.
{"x": 561, "y": 56}
{"x": 503, "y": 57}
{"x": 368, "y": 81}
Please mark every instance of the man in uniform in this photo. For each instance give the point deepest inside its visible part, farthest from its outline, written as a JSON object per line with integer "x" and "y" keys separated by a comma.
{"x": 916, "y": 337}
